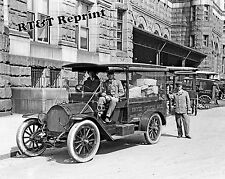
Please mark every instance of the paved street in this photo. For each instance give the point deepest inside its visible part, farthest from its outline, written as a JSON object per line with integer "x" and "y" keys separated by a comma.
{"x": 200, "y": 157}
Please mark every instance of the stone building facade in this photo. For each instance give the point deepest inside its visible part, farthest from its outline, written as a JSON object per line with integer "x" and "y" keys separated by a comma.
{"x": 199, "y": 25}
{"x": 33, "y": 59}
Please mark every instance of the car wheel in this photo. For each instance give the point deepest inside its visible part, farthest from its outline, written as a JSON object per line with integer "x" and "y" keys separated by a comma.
{"x": 205, "y": 99}
{"x": 28, "y": 138}
{"x": 83, "y": 141}
{"x": 153, "y": 129}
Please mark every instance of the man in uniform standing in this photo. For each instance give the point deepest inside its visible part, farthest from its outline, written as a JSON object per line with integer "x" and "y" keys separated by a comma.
{"x": 182, "y": 108}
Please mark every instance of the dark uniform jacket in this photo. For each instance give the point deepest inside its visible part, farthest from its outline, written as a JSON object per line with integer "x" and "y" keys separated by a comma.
{"x": 91, "y": 85}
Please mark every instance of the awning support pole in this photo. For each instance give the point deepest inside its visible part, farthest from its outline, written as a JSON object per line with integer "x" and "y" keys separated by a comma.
{"x": 185, "y": 58}
{"x": 159, "y": 54}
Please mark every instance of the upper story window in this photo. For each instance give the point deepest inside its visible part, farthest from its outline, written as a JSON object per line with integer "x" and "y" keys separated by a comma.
{"x": 84, "y": 28}
{"x": 119, "y": 29}
{"x": 38, "y": 11}
{"x": 192, "y": 40}
{"x": 193, "y": 13}
{"x": 206, "y": 40}
{"x": 206, "y": 12}
{"x": 31, "y": 17}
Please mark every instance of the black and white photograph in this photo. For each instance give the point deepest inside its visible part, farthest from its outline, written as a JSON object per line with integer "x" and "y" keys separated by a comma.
{"x": 112, "y": 89}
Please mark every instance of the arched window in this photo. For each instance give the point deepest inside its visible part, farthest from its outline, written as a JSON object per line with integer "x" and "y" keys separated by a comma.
{"x": 141, "y": 26}
{"x": 156, "y": 32}
{"x": 165, "y": 36}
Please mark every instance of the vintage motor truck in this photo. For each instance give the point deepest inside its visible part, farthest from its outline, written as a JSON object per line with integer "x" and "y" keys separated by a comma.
{"x": 78, "y": 125}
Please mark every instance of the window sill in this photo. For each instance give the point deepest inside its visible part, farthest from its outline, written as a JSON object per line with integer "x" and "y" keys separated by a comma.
{"x": 43, "y": 44}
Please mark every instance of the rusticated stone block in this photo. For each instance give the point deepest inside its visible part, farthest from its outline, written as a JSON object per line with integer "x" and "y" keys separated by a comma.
{"x": 4, "y": 57}
{"x": 5, "y": 92}
{"x": 4, "y": 43}
{"x": 19, "y": 60}
{"x": 15, "y": 70}
{"x": 21, "y": 81}
{"x": 20, "y": 71}
{"x": 25, "y": 81}
{"x": 4, "y": 69}
{"x": 4, "y": 80}
{"x": 5, "y": 105}
{"x": 25, "y": 71}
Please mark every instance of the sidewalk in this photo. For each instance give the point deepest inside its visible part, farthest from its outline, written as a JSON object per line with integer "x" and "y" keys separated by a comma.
{"x": 8, "y": 129}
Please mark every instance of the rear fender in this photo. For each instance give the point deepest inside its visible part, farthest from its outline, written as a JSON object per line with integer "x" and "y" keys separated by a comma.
{"x": 102, "y": 130}
{"x": 145, "y": 117}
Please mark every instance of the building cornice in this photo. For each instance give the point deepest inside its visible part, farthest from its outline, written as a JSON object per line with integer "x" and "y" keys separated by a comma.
{"x": 104, "y": 3}
{"x": 153, "y": 16}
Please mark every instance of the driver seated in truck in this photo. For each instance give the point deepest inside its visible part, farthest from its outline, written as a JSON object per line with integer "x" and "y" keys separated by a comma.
{"x": 112, "y": 91}
{"x": 92, "y": 82}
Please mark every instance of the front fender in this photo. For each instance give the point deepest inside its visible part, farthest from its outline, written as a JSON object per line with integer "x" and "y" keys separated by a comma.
{"x": 103, "y": 131}
{"x": 30, "y": 115}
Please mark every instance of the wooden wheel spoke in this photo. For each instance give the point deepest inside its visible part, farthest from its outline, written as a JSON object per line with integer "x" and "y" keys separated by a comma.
{"x": 30, "y": 144}
{"x": 91, "y": 140}
{"x": 87, "y": 148}
{"x": 77, "y": 142}
{"x": 29, "y": 128}
{"x": 79, "y": 137}
{"x": 90, "y": 135}
{"x": 27, "y": 133}
{"x": 78, "y": 146}
{"x": 81, "y": 148}
{"x": 88, "y": 130}
{"x": 26, "y": 137}
{"x": 33, "y": 128}
{"x": 35, "y": 144}
{"x": 27, "y": 141}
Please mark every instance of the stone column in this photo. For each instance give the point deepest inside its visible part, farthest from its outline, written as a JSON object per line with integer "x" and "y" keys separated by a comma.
{"x": 5, "y": 89}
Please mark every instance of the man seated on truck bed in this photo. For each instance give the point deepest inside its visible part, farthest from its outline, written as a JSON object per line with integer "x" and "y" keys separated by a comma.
{"x": 111, "y": 92}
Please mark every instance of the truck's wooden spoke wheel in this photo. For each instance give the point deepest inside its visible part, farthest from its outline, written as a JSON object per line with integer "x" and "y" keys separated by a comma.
{"x": 28, "y": 138}
{"x": 83, "y": 141}
{"x": 153, "y": 129}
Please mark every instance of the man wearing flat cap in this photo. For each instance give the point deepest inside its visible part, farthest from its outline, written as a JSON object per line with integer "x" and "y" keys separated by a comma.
{"x": 111, "y": 92}
{"x": 182, "y": 107}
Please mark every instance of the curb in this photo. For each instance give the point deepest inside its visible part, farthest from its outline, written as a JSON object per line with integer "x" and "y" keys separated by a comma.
{"x": 13, "y": 153}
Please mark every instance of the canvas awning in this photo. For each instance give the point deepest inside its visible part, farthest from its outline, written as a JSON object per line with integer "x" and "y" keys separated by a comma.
{"x": 148, "y": 46}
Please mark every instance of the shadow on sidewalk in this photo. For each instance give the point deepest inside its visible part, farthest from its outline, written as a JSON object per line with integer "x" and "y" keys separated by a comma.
{"x": 168, "y": 135}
